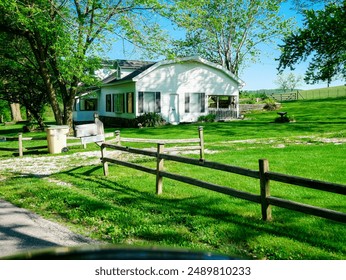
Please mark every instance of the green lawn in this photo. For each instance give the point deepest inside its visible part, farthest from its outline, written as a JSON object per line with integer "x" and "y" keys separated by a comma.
{"x": 330, "y": 92}
{"x": 123, "y": 208}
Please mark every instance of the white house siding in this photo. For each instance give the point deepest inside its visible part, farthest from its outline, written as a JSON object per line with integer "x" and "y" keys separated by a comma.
{"x": 186, "y": 77}
{"x": 188, "y": 81}
{"x": 83, "y": 116}
{"x": 80, "y": 115}
{"x": 116, "y": 89}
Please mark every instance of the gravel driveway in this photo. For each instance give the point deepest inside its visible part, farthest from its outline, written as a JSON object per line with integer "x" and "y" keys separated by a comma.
{"x": 22, "y": 230}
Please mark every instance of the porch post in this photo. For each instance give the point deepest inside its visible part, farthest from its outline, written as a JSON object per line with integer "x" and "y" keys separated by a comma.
{"x": 236, "y": 100}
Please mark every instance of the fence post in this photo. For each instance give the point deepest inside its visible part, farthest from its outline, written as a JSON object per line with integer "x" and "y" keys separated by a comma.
{"x": 201, "y": 142}
{"x": 20, "y": 144}
{"x": 159, "y": 167}
{"x": 265, "y": 190}
{"x": 117, "y": 137}
{"x": 104, "y": 163}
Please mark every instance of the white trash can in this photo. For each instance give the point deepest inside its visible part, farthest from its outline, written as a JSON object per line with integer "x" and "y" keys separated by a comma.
{"x": 56, "y": 138}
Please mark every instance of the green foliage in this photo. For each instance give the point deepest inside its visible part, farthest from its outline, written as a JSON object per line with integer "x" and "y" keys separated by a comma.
{"x": 270, "y": 104}
{"x": 207, "y": 118}
{"x": 20, "y": 81}
{"x": 65, "y": 38}
{"x": 259, "y": 98}
{"x": 228, "y": 32}
{"x": 320, "y": 38}
{"x": 150, "y": 120}
{"x": 5, "y": 111}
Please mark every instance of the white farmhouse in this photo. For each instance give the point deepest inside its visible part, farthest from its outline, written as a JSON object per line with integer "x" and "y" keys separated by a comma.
{"x": 180, "y": 90}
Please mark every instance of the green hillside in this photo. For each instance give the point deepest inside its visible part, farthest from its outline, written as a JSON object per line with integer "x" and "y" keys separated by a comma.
{"x": 321, "y": 93}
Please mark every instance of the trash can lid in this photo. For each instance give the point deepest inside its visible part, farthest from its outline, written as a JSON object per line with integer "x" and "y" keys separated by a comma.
{"x": 58, "y": 127}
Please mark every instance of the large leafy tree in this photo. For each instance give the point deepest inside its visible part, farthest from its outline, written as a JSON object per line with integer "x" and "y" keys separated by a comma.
{"x": 301, "y": 5}
{"x": 19, "y": 78}
{"x": 228, "y": 32}
{"x": 65, "y": 35}
{"x": 321, "y": 41}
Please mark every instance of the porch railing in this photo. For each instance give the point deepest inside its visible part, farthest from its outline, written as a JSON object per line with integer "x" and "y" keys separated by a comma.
{"x": 223, "y": 113}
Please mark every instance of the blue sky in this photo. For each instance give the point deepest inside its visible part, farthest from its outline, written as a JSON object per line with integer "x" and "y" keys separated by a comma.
{"x": 264, "y": 74}
{"x": 261, "y": 75}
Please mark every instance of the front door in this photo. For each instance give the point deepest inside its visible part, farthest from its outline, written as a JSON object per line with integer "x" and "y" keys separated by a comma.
{"x": 173, "y": 113}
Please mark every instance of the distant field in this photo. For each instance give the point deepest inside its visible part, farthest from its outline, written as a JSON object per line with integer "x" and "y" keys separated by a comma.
{"x": 323, "y": 93}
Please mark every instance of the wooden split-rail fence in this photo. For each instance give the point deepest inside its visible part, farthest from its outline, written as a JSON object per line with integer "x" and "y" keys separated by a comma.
{"x": 263, "y": 174}
{"x": 289, "y": 96}
{"x": 21, "y": 147}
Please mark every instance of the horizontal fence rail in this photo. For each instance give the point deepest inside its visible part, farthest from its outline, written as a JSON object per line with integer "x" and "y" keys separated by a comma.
{"x": 200, "y": 140}
{"x": 212, "y": 187}
{"x": 308, "y": 183}
{"x": 20, "y": 139}
{"x": 213, "y": 165}
{"x": 20, "y": 149}
{"x": 333, "y": 92}
{"x": 263, "y": 174}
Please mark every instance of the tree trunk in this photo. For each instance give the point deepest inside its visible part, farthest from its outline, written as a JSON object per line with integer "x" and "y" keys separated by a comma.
{"x": 15, "y": 112}
{"x": 39, "y": 119}
{"x": 33, "y": 114}
{"x": 68, "y": 109}
{"x": 29, "y": 116}
{"x": 53, "y": 100}
{"x": 41, "y": 56}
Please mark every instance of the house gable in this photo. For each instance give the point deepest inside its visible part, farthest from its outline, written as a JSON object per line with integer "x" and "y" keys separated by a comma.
{"x": 189, "y": 60}
{"x": 186, "y": 85}
{"x": 188, "y": 75}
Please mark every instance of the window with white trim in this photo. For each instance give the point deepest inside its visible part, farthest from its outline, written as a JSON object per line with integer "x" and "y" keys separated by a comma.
{"x": 88, "y": 104}
{"x": 129, "y": 102}
{"x": 149, "y": 102}
{"x": 109, "y": 103}
{"x": 195, "y": 102}
{"x": 118, "y": 103}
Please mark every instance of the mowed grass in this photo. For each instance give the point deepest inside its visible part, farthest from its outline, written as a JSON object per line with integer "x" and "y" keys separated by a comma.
{"x": 329, "y": 92}
{"x": 124, "y": 209}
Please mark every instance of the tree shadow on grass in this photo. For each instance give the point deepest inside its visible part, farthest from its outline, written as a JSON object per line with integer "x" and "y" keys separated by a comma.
{"x": 21, "y": 230}
{"x": 144, "y": 216}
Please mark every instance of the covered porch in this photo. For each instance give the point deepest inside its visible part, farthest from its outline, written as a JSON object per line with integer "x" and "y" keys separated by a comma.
{"x": 225, "y": 107}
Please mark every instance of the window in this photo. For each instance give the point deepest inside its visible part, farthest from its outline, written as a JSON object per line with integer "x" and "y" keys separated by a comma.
{"x": 187, "y": 102}
{"x": 195, "y": 102}
{"x": 88, "y": 104}
{"x": 119, "y": 103}
{"x": 149, "y": 102}
{"x": 221, "y": 101}
{"x": 108, "y": 103}
{"x": 129, "y": 102}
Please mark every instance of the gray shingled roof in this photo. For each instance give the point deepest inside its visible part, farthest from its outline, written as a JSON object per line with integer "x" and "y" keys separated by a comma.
{"x": 140, "y": 66}
{"x": 135, "y": 64}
